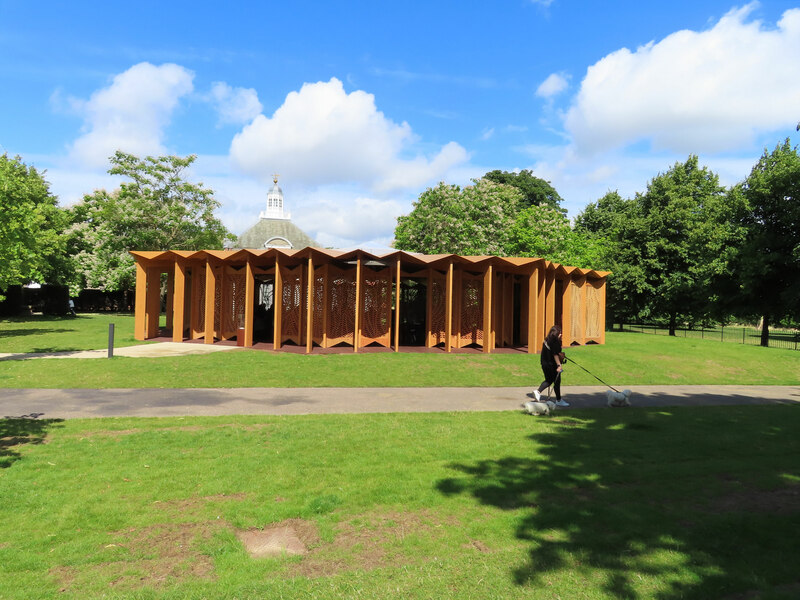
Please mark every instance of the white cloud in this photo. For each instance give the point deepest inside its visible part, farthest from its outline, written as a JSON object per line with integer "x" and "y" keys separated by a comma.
{"x": 235, "y": 105}
{"x": 693, "y": 91}
{"x": 552, "y": 86}
{"x": 487, "y": 133}
{"x": 322, "y": 134}
{"x": 131, "y": 113}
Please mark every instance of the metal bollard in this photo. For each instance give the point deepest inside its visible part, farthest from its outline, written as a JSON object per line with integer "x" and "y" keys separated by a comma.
{"x": 110, "y": 340}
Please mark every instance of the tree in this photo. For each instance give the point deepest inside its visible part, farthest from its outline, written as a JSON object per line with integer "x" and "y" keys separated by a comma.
{"x": 536, "y": 191}
{"x": 619, "y": 226}
{"x": 31, "y": 223}
{"x": 768, "y": 266}
{"x": 545, "y": 232}
{"x": 472, "y": 221}
{"x": 689, "y": 240}
{"x": 157, "y": 210}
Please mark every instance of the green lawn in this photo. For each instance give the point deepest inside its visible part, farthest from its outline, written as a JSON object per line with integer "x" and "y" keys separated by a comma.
{"x": 626, "y": 359}
{"x": 665, "y": 503}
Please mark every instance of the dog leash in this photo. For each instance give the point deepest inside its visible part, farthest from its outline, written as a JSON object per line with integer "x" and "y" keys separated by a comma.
{"x": 595, "y": 376}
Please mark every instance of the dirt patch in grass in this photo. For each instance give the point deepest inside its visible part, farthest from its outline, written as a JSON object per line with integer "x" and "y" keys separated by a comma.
{"x": 194, "y": 505}
{"x": 368, "y": 542}
{"x": 781, "y": 501}
{"x": 148, "y": 557}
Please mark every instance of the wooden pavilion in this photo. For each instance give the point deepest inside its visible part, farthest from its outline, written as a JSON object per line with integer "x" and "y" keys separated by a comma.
{"x": 313, "y": 297}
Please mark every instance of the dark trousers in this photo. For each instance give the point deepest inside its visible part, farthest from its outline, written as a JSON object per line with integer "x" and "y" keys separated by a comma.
{"x": 551, "y": 377}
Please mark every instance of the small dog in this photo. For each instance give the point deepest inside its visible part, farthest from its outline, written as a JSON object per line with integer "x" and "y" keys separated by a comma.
{"x": 539, "y": 408}
{"x": 618, "y": 399}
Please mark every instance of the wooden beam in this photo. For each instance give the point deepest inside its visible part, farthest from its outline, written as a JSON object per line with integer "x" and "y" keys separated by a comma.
{"x": 198, "y": 276}
{"x": 153, "y": 301}
{"x": 488, "y": 280}
{"x": 357, "y": 328}
{"x": 178, "y": 300}
{"x": 310, "y": 307}
{"x": 397, "y": 308}
{"x": 140, "y": 312}
{"x": 429, "y": 311}
{"x": 170, "y": 297}
{"x": 277, "y": 303}
{"x": 533, "y": 311}
{"x": 448, "y": 313}
{"x": 210, "y": 301}
{"x": 249, "y": 303}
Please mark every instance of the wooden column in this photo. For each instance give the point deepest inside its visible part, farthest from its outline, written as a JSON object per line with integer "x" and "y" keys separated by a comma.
{"x": 198, "y": 276}
{"x": 249, "y": 303}
{"x": 278, "y": 304}
{"x": 153, "y": 302}
{"x": 533, "y": 311}
{"x": 397, "y": 308}
{"x": 429, "y": 311}
{"x": 488, "y": 278}
{"x": 549, "y": 300}
{"x": 211, "y": 293}
{"x": 140, "y": 312}
{"x": 310, "y": 307}
{"x": 602, "y": 309}
{"x": 448, "y": 313}
{"x": 325, "y": 303}
{"x": 170, "y": 297}
{"x": 357, "y": 328}
{"x": 178, "y": 299}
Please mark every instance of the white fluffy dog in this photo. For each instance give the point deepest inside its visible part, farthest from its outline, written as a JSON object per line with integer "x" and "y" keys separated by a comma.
{"x": 539, "y": 408}
{"x": 618, "y": 399}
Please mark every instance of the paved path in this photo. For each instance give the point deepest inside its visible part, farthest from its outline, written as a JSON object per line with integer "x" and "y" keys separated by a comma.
{"x": 152, "y": 402}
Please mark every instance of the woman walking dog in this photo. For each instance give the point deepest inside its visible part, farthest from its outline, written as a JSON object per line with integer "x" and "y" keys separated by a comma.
{"x": 552, "y": 365}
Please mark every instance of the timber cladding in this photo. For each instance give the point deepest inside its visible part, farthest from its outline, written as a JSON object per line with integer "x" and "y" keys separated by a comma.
{"x": 316, "y": 298}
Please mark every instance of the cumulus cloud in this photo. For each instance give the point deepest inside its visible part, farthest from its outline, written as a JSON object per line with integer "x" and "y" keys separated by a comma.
{"x": 693, "y": 91}
{"x": 552, "y": 86}
{"x": 235, "y": 105}
{"x": 321, "y": 134}
{"x": 131, "y": 113}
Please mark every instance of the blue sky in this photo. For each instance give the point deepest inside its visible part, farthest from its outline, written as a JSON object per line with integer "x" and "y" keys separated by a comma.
{"x": 360, "y": 106}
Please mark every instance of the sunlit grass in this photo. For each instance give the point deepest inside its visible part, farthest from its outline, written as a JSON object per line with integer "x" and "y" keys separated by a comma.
{"x": 690, "y": 503}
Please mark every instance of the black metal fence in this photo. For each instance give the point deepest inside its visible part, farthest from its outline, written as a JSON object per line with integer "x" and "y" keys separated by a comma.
{"x": 778, "y": 338}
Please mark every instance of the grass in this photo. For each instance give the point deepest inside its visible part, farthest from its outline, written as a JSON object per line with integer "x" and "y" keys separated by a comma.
{"x": 663, "y": 504}
{"x": 38, "y": 333}
{"x": 626, "y": 359}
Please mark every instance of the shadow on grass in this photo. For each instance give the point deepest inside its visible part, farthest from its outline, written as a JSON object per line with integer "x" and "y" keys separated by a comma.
{"x": 653, "y": 503}
{"x": 19, "y": 431}
{"x": 13, "y": 333}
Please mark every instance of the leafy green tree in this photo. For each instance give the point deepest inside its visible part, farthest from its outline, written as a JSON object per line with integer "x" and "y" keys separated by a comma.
{"x": 475, "y": 220}
{"x": 158, "y": 209}
{"x": 768, "y": 266}
{"x": 617, "y": 225}
{"x": 546, "y": 232}
{"x": 689, "y": 240}
{"x": 31, "y": 223}
{"x": 536, "y": 191}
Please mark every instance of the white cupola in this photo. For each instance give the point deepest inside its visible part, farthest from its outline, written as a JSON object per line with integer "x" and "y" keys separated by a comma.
{"x": 274, "y": 203}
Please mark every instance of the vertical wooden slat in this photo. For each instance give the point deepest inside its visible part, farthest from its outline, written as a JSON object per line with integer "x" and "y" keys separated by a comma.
{"x": 198, "y": 276}
{"x": 249, "y": 303}
{"x": 153, "y": 301}
{"x": 310, "y": 307}
{"x": 325, "y": 302}
{"x": 140, "y": 312}
{"x": 170, "y": 297}
{"x": 178, "y": 299}
{"x": 357, "y": 328}
{"x": 533, "y": 311}
{"x": 488, "y": 277}
{"x": 448, "y": 315}
{"x": 397, "y": 308}
{"x": 429, "y": 311}
{"x": 211, "y": 293}
{"x": 277, "y": 303}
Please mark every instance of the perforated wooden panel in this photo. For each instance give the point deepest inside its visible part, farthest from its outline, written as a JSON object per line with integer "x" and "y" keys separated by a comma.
{"x": 376, "y": 311}
{"x": 471, "y": 329}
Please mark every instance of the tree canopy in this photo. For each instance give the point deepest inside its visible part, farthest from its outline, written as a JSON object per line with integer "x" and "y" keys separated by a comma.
{"x": 158, "y": 209}
{"x": 475, "y": 220}
{"x": 535, "y": 191}
{"x": 768, "y": 265}
{"x": 31, "y": 223}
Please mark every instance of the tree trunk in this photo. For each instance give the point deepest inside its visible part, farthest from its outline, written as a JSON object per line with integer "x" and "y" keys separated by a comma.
{"x": 765, "y": 331}
{"x": 672, "y": 323}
